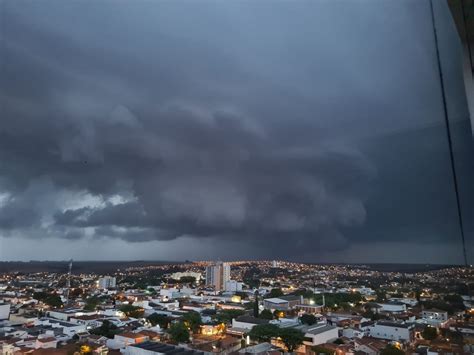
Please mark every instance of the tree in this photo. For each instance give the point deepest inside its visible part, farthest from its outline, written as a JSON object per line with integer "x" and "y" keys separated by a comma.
{"x": 266, "y": 314}
{"x": 381, "y": 296}
{"x": 40, "y": 296}
{"x": 275, "y": 292}
{"x": 187, "y": 279}
{"x": 132, "y": 311}
{"x": 392, "y": 350}
{"x": 107, "y": 329}
{"x": 192, "y": 320}
{"x": 76, "y": 292}
{"x": 308, "y": 319}
{"x": 303, "y": 292}
{"x": 429, "y": 333}
{"x": 226, "y": 316}
{"x": 53, "y": 301}
{"x": 291, "y": 337}
{"x": 91, "y": 303}
{"x": 159, "y": 319}
{"x": 264, "y": 332}
{"x": 178, "y": 332}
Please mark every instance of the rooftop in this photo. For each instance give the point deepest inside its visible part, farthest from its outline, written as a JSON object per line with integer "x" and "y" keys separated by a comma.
{"x": 166, "y": 348}
{"x": 252, "y": 320}
{"x": 320, "y": 329}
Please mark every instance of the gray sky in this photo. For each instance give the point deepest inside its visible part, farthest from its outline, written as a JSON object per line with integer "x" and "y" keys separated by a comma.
{"x": 306, "y": 130}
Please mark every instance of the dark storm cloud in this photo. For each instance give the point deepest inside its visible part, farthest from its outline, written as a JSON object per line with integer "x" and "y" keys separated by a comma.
{"x": 146, "y": 123}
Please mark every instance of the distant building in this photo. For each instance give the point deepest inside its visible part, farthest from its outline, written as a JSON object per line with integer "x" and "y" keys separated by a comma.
{"x": 244, "y": 324}
{"x": 434, "y": 317}
{"x": 4, "y": 311}
{"x": 233, "y": 286}
{"x": 123, "y": 340}
{"x": 107, "y": 282}
{"x": 179, "y": 275}
{"x": 320, "y": 334}
{"x": 283, "y": 303}
{"x": 369, "y": 346}
{"x": 217, "y": 275}
{"x": 389, "y": 330}
{"x": 394, "y": 307}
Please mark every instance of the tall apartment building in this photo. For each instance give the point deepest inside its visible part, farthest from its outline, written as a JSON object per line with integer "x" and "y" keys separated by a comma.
{"x": 106, "y": 282}
{"x": 217, "y": 275}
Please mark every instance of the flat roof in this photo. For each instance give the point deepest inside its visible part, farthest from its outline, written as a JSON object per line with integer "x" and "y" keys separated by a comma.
{"x": 166, "y": 348}
{"x": 393, "y": 324}
{"x": 319, "y": 330}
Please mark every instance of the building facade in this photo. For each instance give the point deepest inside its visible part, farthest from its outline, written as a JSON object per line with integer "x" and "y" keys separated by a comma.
{"x": 107, "y": 282}
{"x": 217, "y": 275}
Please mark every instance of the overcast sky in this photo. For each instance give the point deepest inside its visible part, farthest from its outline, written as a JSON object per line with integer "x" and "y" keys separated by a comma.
{"x": 303, "y": 130}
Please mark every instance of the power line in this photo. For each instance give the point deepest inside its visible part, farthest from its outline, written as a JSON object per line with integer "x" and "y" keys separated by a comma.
{"x": 448, "y": 132}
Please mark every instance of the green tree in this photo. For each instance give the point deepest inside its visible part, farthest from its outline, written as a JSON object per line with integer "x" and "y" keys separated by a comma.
{"x": 308, "y": 319}
{"x": 159, "y": 319}
{"x": 192, "y": 320}
{"x": 226, "y": 316}
{"x": 107, "y": 329}
{"x": 91, "y": 303}
{"x": 40, "y": 296}
{"x": 303, "y": 292}
{"x": 266, "y": 314}
{"x": 275, "y": 292}
{"x": 381, "y": 296}
{"x": 429, "y": 333}
{"x": 53, "y": 301}
{"x": 291, "y": 337}
{"x": 453, "y": 299}
{"x": 178, "y": 332}
{"x": 264, "y": 332}
{"x": 187, "y": 279}
{"x": 132, "y": 311}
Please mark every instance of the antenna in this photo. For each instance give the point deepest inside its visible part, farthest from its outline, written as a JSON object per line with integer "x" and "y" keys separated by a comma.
{"x": 68, "y": 282}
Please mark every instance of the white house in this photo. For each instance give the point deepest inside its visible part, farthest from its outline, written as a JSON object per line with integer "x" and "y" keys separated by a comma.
{"x": 352, "y": 333}
{"x": 68, "y": 328}
{"x": 243, "y": 324}
{"x": 47, "y": 342}
{"x": 320, "y": 334}
{"x": 122, "y": 341}
{"x": 393, "y": 307}
{"x": 434, "y": 317}
{"x": 388, "y": 330}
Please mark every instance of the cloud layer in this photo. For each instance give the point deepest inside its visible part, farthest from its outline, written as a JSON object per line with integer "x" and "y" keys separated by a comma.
{"x": 144, "y": 123}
